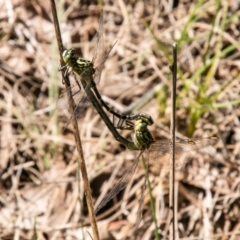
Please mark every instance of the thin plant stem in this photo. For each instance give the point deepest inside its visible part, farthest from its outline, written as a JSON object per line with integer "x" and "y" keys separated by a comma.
{"x": 81, "y": 161}
{"x": 152, "y": 204}
{"x": 172, "y": 197}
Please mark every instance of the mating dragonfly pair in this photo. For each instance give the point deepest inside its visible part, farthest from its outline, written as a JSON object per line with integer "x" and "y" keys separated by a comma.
{"x": 87, "y": 74}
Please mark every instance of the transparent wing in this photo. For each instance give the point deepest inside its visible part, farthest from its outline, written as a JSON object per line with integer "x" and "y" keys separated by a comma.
{"x": 79, "y": 97}
{"x": 127, "y": 176}
{"x": 99, "y": 51}
{"x": 99, "y": 55}
{"x": 160, "y": 152}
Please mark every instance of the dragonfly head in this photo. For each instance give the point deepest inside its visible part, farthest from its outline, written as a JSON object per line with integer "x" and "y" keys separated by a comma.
{"x": 68, "y": 55}
{"x": 145, "y": 118}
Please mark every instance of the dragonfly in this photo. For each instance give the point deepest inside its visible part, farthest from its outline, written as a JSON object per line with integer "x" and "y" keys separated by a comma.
{"x": 90, "y": 73}
{"x": 97, "y": 105}
{"x": 85, "y": 70}
{"x": 159, "y": 156}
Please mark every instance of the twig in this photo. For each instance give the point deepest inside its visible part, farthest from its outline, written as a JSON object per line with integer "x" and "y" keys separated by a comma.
{"x": 81, "y": 162}
{"x": 172, "y": 197}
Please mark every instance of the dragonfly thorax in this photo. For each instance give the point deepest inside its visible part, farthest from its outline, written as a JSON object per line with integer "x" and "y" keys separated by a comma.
{"x": 78, "y": 65}
{"x": 142, "y": 137}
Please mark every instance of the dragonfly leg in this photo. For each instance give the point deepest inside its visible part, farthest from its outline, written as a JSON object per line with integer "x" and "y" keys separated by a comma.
{"x": 129, "y": 125}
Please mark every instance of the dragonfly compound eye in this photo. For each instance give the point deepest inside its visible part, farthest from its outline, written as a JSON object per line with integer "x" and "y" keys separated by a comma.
{"x": 149, "y": 120}
{"x": 66, "y": 56}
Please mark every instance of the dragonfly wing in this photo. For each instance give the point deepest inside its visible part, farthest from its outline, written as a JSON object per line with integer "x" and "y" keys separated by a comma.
{"x": 85, "y": 81}
{"x": 99, "y": 51}
{"x": 120, "y": 185}
{"x": 160, "y": 152}
{"x": 204, "y": 142}
{"x": 99, "y": 55}
{"x": 62, "y": 102}
{"x": 79, "y": 97}
{"x": 99, "y": 66}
